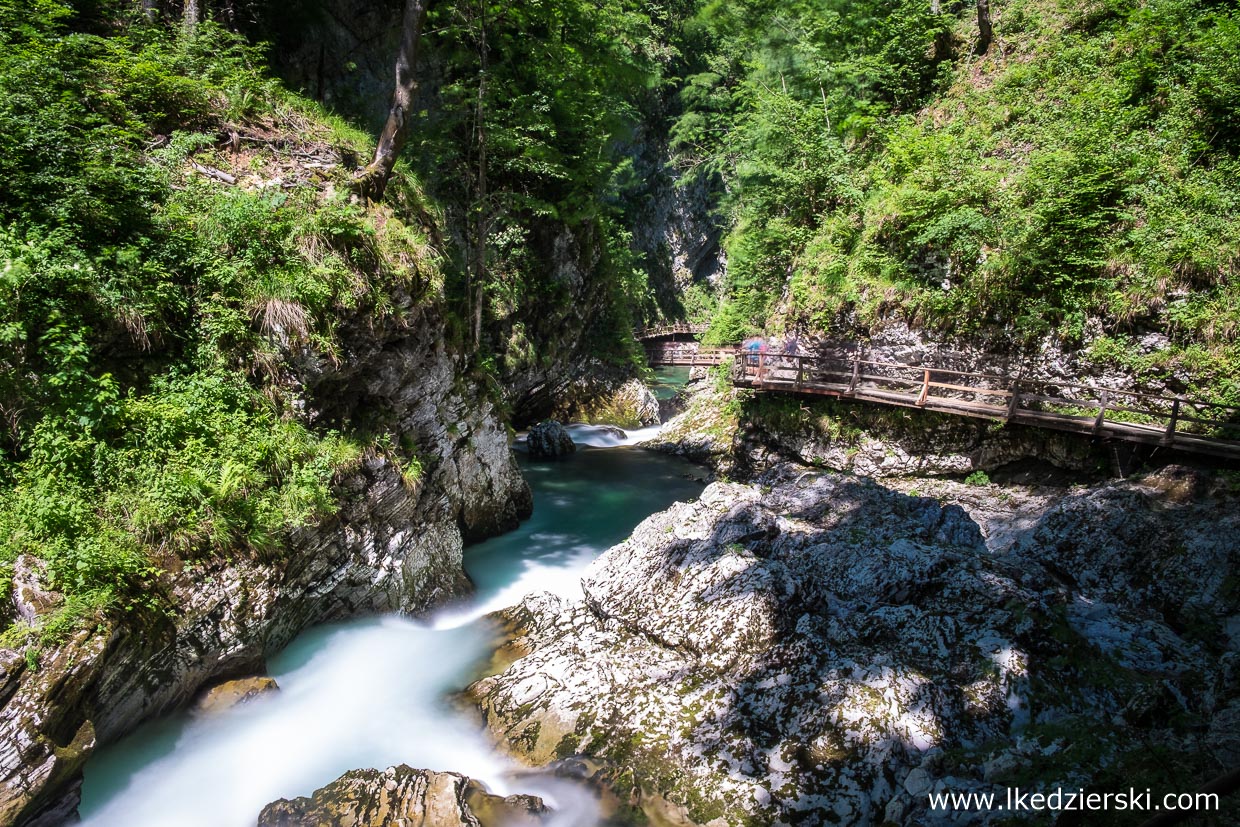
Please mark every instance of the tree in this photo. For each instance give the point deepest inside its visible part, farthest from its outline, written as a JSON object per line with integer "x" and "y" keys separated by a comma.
{"x": 374, "y": 178}
{"x": 984, "y": 29}
{"x": 189, "y": 17}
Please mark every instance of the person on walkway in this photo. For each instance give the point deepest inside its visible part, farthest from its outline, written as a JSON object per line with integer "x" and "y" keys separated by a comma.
{"x": 792, "y": 349}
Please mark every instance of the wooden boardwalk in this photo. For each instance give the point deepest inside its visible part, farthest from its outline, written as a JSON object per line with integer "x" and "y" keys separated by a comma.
{"x": 687, "y": 353}
{"x": 666, "y": 330}
{"x": 1180, "y": 424}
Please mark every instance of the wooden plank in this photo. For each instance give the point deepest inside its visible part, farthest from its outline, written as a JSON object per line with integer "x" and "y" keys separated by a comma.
{"x": 925, "y": 389}
{"x": 970, "y": 389}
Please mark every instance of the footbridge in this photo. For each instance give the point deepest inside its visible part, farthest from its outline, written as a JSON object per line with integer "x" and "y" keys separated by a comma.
{"x": 1104, "y": 413}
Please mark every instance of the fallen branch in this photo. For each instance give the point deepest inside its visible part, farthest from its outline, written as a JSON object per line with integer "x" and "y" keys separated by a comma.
{"x": 212, "y": 172}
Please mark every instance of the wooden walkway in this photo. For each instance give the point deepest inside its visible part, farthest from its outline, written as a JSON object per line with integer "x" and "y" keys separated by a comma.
{"x": 663, "y": 331}
{"x": 687, "y": 353}
{"x": 1180, "y": 424}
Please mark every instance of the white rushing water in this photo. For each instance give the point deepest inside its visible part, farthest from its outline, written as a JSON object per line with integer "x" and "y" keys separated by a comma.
{"x": 604, "y": 436}
{"x": 321, "y": 724}
{"x": 371, "y": 692}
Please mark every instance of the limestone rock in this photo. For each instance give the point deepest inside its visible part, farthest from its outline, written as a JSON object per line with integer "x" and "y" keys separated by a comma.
{"x": 403, "y": 797}
{"x": 549, "y": 440}
{"x": 30, "y": 597}
{"x": 232, "y": 693}
{"x": 815, "y": 648}
{"x": 638, "y": 401}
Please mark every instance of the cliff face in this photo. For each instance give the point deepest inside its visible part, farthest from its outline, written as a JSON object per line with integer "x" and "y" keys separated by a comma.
{"x": 394, "y": 545}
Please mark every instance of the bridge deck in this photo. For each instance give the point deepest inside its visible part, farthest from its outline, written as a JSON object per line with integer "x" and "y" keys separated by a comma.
{"x": 1186, "y": 425}
{"x": 1182, "y": 424}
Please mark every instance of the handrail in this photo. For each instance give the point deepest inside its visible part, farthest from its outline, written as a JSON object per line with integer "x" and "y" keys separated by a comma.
{"x": 1103, "y": 412}
{"x": 668, "y": 330}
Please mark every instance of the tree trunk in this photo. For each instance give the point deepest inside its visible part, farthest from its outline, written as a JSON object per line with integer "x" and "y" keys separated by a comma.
{"x": 189, "y": 18}
{"x": 373, "y": 179}
{"x": 984, "y": 29}
{"x": 484, "y": 212}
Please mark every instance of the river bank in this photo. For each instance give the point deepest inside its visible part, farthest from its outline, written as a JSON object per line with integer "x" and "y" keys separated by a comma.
{"x": 371, "y": 692}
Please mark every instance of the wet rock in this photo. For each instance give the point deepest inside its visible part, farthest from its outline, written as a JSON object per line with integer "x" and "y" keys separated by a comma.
{"x": 623, "y": 401}
{"x": 400, "y": 796}
{"x": 232, "y": 693}
{"x": 638, "y": 401}
{"x": 549, "y": 440}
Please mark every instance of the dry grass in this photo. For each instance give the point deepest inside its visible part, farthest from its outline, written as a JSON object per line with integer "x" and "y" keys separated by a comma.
{"x": 285, "y": 321}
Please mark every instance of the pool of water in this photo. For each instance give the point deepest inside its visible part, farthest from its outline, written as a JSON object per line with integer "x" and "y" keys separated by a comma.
{"x": 372, "y": 692}
{"x": 669, "y": 381}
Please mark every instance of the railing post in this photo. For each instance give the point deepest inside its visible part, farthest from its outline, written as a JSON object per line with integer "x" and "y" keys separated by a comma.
{"x": 925, "y": 389}
{"x": 1102, "y": 413}
{"x": 1169, "y": 436}
{"x": 1014, "y": 402}
{"x": 800, "y": 370}
{"x": 856, "y": 374}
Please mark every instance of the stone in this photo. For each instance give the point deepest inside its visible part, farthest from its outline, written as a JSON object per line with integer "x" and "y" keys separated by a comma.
{"x": 401, "y": 797}
{"x": 549, "y": 440}
{"x": 1223, "y": 735}
{"x": 812, "y": 632}
{"x": 918, "y": 782}
{"x": 638, "y": 401}
{"x": 226, "y": 695}
{"x": 30, "y": 597}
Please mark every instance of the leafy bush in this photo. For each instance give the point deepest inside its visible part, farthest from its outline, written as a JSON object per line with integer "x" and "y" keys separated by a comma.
{"x": 977, "y": 478}
{"x": 132, "y": 292}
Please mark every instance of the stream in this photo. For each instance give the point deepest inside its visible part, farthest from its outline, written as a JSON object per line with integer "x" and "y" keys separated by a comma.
{"x": 373, "y": 692}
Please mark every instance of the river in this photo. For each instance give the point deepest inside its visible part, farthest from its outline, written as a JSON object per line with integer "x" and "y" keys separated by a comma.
{"x": 372, "y": 692}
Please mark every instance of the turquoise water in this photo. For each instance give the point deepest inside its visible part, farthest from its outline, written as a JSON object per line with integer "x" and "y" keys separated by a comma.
{"x": 370, "y": 692}
{"x": 669, "y": 381}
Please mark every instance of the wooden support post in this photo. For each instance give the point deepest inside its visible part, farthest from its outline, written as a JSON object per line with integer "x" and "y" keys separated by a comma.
{"x": 856, "y": 374}
{"x": 1102, "y": 414}
{"x": 925, "y": 389}
{"x": 1014, "y": 402}
{"x": 800, "y": 370}
{"x": 1169, "y": 436}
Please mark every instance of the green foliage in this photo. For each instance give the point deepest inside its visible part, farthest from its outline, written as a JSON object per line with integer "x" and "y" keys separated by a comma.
{"x": 977, "y": 478}
{"x": 525, "y": 142}
{"x": 1083, "y": 173}
{"x": 143, "y": 309}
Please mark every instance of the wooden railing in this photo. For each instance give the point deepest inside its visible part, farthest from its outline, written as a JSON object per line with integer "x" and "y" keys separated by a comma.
{"x": 659, "y": 331}
{"x": 1184, "y": 424}
{"x": 687, "y": 353}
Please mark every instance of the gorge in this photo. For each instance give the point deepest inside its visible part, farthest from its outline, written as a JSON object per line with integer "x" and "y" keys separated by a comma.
{"x": 341, "y": 484}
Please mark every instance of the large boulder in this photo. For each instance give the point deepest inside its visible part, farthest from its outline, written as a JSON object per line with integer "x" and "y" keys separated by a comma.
{"x": 637, "y": 401}
{"x": 549, "y": 440}
{"x": 401, "y": 797}
{"x": 817, "y": 648}
{"x": 226, "y": 695}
